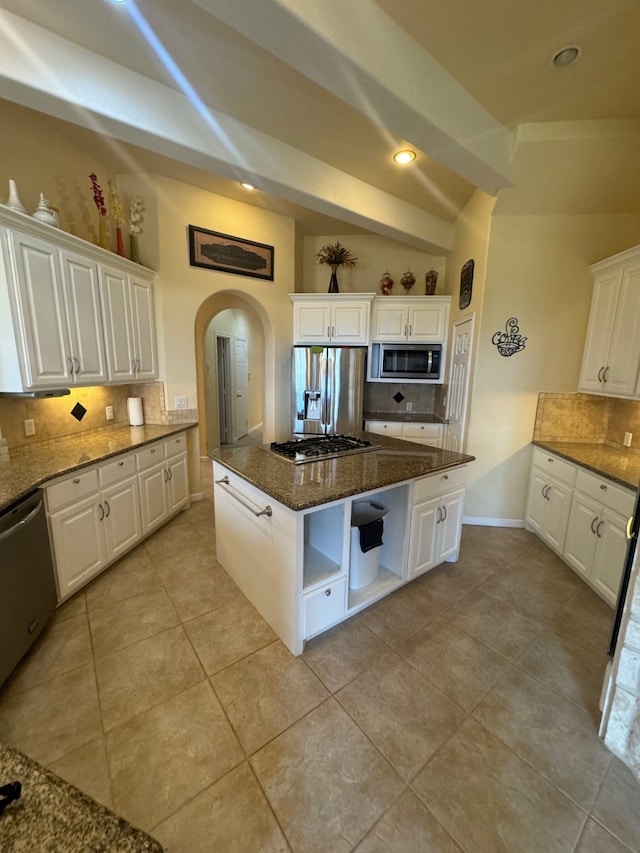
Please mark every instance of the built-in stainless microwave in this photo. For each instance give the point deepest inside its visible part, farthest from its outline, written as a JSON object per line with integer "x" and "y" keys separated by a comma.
{"x": 405, "y": 363}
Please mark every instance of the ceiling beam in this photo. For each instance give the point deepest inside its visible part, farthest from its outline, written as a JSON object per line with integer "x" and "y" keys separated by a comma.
{"x": 357, "y": 52}
{"x": 43, "y": 71}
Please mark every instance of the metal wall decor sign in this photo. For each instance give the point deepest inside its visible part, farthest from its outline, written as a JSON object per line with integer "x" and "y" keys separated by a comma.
{"x": 510, "y": 341}
{"x": 466, "y": 284}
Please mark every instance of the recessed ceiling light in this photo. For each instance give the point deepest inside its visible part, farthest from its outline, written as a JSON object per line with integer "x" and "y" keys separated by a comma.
{"x": 404, "y": 156}
{"x": 247, "y": 186}
{"x": 566, "y": 55}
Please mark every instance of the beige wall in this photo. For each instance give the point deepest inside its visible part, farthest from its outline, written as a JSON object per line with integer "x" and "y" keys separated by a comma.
{"x": 376, "y": 255}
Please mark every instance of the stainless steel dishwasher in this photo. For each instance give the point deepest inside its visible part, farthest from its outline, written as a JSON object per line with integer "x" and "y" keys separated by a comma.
{"x": 27, "y": 583}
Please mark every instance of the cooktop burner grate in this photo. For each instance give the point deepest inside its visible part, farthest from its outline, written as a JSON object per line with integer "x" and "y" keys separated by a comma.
{"x": 320, "y": 447}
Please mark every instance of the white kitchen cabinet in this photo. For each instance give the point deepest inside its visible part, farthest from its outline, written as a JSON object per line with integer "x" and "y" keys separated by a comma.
{"x": 611, "y": 357}
{"x": 549, "y": 497}
{"x": 90, "y": 532}
{"x": 421, "y": 433}
{"x": 127, "y": 306}
{"x": 596, "y": 542}
{"x": 436, "y": 520}
{"x": 51, "y": 317}
{"x": 331, "y": 319}
{"x": 163, "y": 480}
{"x": 98, "y": 514}
{"x": 410, "y": 318}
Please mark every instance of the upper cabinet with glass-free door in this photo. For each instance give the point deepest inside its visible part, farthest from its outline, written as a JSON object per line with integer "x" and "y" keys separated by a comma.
{"x": 611, "y": 358}
{"x": 422, "y": 319}
{"x": 341, "y": 319}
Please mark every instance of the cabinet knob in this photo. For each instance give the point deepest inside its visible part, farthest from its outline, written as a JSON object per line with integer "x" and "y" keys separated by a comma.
{"x": 76, "y": 480}
{"x": 153, "y": 450}
{"x": 121, "y": 463}
{"x": 327, "y": 592}
{"x": 445, "y": 476}
{"x": 602, "y": 486}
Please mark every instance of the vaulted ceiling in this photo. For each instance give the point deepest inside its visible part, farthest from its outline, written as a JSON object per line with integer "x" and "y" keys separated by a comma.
{"x": 309, "y": 100}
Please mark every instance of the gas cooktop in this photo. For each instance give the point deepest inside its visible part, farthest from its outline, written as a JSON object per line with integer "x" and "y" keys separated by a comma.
{"x": 320, "y": 447}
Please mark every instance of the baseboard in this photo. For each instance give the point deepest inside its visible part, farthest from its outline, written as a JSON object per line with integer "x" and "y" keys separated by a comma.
{"x": 483, "y": 521}
{"x": 196, "y": 496}
{"x": 255, "y": 428}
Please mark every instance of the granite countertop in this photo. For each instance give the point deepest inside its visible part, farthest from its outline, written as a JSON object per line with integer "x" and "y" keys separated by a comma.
{"x": 313, "y": 483}
{"x": 30, "y": 467}
{"x": 54, "y": 816}
{"x": 621, "y": 466}
{"x": 403, "y": 417}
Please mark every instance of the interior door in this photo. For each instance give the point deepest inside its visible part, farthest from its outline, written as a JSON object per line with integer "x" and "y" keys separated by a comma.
{"x": 460, "y": 365}
{"x": 224, "y": 388}
{"x": 241, "y": 383}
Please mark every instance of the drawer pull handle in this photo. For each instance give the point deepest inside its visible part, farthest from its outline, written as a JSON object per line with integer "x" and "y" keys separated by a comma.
{"x": 266, "y": 511}
{"x": 76, "y": 480}
{"x": 327, "y": 592}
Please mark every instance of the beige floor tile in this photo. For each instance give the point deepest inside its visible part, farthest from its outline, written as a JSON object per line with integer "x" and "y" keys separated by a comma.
{"x": 53, "y": 718}
{"x": 586, "y": 619}
{"x": 86, "y": 768}
{"x": 225, "y": 636}
{"x": 168, "y": 754}
{"x": 325, "y": 781}
{"x": 617, "y": 806}
{"x": 128, "y": 621}
{"x": 399, "y": 615}
{"x": 74, "y": 606}
{"x": 131, "y": 575}
{"x": 205, "y": 591}
{"x": 535, "y": 594}
{"x": 182, "y": 566}
{"x": 174, "y": 537}
{"x": 62, "y": 647}
{"x": 338, "y": 655}
{"x": 450, "y": 582}
{"x": 463, "y": 668}
{"x": 408, "y": 827}
{"x": 596, "y": 839}
{"x": 490, "y": 800}
{"x": 266, "y": 693}
{"x": 500, "y": 545}
{"x": 568, "y": 668}
{"x": 140, "y": 676}
{"x": 232, "y": 816}
{"x": 549, "y": 732}
{"x": 405, "y": 716}
{"x": 501, "y": 628}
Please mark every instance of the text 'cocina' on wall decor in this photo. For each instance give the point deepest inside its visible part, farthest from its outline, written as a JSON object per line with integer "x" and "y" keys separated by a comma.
{"x": 510, "y": 341}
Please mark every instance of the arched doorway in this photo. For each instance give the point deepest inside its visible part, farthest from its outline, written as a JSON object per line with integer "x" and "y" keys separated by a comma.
{"x": 230, "y": 315}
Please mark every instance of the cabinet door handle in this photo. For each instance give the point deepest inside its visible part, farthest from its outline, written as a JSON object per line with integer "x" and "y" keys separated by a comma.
{"x": 77, "y": 364}
{"x": 327, "y": 592}
{"x": 405, "y": 331}
{"x": 439, "y": 515}
{"x": 593, "y": 521}
{"x": 444, "y": 510}
{"x": 410, "y": 327}
{"x": 600, "y": 374}
{"x": 547, "y": 494}
{"x": 598, "y": 529}
{"x": 170, "y": 473}
{"x": 605, "y": 375}
{"x": 164, "y": 475}
{"x": 101, "y": 508}
{"x": 628, "y": 532}
{"x": 69, "y": 365}
{"x": 108, "y": 512}
{"x": 328, "y": 331}
{"x": 333, "y": 331}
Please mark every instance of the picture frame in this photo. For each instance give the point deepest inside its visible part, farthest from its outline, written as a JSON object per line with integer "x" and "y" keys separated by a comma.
{"x": 214, "y": 250}
{"x": 466, "y": 284}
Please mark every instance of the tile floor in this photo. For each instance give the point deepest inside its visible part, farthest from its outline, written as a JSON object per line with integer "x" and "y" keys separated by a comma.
{"x": 459, "y": 714}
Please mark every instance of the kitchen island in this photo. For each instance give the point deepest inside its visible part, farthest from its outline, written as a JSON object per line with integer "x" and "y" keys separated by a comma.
{"x": 284, "y": 531}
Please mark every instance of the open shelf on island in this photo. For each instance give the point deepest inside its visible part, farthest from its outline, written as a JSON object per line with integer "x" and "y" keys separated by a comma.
{"x": 385, "y": 582}
{"x": 318, "y": 568}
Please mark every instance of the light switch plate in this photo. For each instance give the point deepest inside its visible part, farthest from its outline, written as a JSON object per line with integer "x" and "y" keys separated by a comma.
{"x": 108, "y": 410}
{"x": 29, "y": 427}
{"x": 627, "y": 439}
{"x": 182, "y": 402}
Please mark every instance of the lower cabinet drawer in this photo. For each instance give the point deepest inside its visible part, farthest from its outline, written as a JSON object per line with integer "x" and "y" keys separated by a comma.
{"x": 324, "y": 607}
{"x": 72, "y": 489}
{"x": 439, "y": 483}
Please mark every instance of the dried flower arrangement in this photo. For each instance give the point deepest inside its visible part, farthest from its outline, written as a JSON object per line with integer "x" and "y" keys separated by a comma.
{"x": 335, "y": 254}
{"x": 98, "y": 196}
{"x": 135, "y": 228}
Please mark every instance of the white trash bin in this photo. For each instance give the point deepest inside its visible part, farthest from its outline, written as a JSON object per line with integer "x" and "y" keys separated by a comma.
{"x": 365, "y": 565}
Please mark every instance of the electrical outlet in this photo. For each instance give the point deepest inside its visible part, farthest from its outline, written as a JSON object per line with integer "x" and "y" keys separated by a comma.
{"x": 108, "y": 410}
{"x": 409, "y": 407}
{"x": 182, "y": 402}
{"x": 30, "y": 427}
{"x": 627, "y": 439}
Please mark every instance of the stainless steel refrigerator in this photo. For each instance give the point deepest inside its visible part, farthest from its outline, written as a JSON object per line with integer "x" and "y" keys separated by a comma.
{"x": 328, "y": 390}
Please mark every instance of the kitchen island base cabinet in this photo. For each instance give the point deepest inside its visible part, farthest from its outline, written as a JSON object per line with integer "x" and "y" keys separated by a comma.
{"x": 294, "y": 566}
{"x": 436, "y": 520}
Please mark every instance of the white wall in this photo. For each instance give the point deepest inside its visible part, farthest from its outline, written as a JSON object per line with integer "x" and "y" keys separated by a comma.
{"x": 376, "y": 255}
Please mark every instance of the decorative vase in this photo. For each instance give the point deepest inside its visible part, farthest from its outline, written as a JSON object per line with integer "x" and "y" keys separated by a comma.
{"x": 14, "y": 199}
{"x": 430, "y": 282}
{"x": 408, "y": 280}
{"x": 119, "y": 242}
{"x": 103, "y": 232}
{"x": 44, "y": 212}
{"x": 386, "y": 283}
{"x": 133, "y": 248}
{"x": 333, "y": 281}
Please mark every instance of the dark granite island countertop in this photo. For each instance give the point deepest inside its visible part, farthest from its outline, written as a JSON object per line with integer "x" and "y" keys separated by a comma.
{"x": 311, "y": 484}
{"x": 53, "y": 816}
{"x": 31, "y": 467}
{"x": 621, "y": 466}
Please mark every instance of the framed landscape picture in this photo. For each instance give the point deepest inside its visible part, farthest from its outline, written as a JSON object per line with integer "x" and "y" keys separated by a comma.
{"x": 215, "y": 251}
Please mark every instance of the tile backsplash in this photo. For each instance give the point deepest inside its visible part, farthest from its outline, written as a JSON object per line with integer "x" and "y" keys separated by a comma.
{"x": 426, "y": 399}
{"x": 587, "y": 418}
{"x": 53, "y": 419}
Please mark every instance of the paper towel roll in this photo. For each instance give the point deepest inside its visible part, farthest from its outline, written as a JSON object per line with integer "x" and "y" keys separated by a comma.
{"x": 134, "y": 410}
